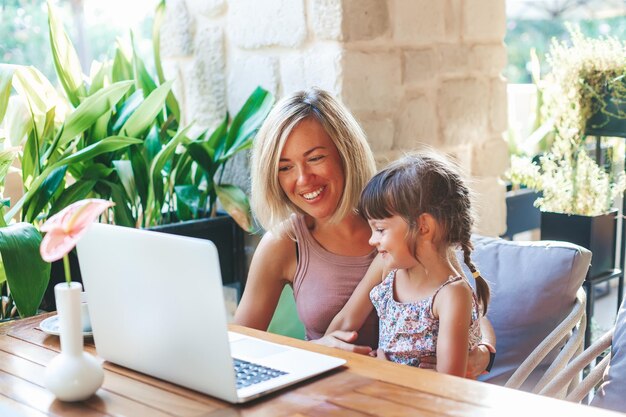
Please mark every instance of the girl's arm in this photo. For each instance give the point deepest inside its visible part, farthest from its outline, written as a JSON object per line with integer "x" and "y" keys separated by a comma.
{"x": 355, "y": 312}
{"x": 453, "y": 306}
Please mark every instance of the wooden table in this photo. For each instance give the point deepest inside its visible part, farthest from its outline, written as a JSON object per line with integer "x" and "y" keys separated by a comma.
{"x": 365, "y": 386}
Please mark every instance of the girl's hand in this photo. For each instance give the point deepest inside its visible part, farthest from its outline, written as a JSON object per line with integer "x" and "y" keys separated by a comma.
{"x": 477, "y": 361}
{"x": 379, "y": 354}
{"x": 343, "y": 340}
{"x": 428, "y": 362}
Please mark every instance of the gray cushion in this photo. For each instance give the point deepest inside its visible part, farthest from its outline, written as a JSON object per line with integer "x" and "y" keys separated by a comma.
{"x": 533, "y": 288}
{"x": 611, "y": 393}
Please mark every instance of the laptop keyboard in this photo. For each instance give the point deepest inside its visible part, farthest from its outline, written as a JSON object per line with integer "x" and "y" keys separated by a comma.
{"x": 249, "y": 373}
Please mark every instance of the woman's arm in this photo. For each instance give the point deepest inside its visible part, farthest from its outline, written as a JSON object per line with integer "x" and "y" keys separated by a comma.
{"x": 357, "y": 309}
{"x": 273, "y": 265}
{"x": 453, "y": 306}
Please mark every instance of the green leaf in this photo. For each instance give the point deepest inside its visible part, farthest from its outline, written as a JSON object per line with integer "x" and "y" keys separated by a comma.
{"x": 236, "y": 203}
{"x": 96, "y": 171}
{"x": 188, "y": 196}
{"x": 144, "y": 116}
{"x": 91, "y": 109}
{"x": 48, "y": 187}
{"x": 36, "y": 90}
{"x": 143, "y": 81}
{"x": 124, "y": 170}
{"x": 219, "y": 135}
{"x": 128, "y": 107}
{"x": 65, "y": 59}
{"x": 158, "y": 164}
{"x": 75, "y": 192}
{"x": 6, "y": 79}
{"x": 248, "y": 120}
{"x": 18, "y": 121}
{"x": 123, "y": 214}
{"x": 97, "y": 81}
{"x": 122, "y": 68}
{"x": 110, "y": 144}
{"x": 140, "y": 174}
{"x": 202, "y": 155}
{"x": 6, "y": 160}
{"x": 30, "y": 159}
{"x": 27, "y": 274}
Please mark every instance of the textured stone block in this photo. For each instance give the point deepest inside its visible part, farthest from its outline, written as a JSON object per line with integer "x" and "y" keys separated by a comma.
{"x": 454, "y": 58}
{"x": 365, "y": 19}
{"x": 326, "y": 17}
{"x": 484, "y": 20}
{"x": 498, "y": 110}
{"x": 418, "y": 22}
{"x": 247, "y": 72}
{"x": 207, "y": 8}
{"x": 258, "y": 23}
{"x": 379, "y": 131}
{"x": 489, "y": 59}
{"x": 314, "y": 67}
{"x": 490, "y": 158}
{"x": 205, "y": 80}
{"x": 453, "y": 19}
{"x": 461, "y": 155}
{"x": 176, "y": 39}
{"x": 464, "y": 110}
{"x": 417, "y": 123}
{"x": 421, "y": 66}
{"x": 490, "y": 205}
{"x": 371, "y": 81}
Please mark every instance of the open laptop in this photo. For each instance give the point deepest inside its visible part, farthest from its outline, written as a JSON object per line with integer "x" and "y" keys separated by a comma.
{"x": 156, "y": 306}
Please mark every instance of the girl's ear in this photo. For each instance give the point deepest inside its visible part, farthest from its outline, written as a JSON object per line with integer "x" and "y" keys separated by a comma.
{"x": 427, "y": 226}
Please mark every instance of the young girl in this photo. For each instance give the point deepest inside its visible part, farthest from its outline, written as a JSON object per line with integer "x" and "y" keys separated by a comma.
{"x": 419, "y": 211}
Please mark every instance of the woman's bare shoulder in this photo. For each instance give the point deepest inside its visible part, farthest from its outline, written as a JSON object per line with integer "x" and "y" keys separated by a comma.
{"x": 276, "y": 255}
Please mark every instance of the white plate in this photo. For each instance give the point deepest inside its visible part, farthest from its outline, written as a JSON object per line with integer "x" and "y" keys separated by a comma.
{"x": 51, "y": 326}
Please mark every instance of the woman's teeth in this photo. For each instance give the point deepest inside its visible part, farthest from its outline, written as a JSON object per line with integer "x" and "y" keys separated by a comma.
{"x": 313, "y": 194}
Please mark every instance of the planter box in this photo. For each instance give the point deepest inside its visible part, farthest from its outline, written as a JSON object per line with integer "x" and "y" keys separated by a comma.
{"x": 597, "y": 233}
{"x": 222, "y": 231}
{"x": 227, "y": 237}
{"x": 521, "y": 213}
{"x": 603, "y": 124}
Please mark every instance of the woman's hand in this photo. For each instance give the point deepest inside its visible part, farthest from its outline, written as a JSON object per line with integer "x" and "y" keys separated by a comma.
{"x": 343, "y": 340}
{"x": 477, "y": 361}
{"x": 379, "y": 354}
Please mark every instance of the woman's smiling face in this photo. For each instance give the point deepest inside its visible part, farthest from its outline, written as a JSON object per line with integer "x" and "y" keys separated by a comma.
{"x": 310, "y": 170}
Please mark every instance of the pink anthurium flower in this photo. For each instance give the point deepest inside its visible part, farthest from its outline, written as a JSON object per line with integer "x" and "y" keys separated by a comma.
{"x": 64, "y": 229}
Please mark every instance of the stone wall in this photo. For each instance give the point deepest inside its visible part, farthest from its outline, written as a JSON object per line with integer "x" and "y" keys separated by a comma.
{"x": 415, "y": 72}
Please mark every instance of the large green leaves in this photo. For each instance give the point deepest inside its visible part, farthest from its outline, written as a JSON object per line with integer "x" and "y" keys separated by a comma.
{"x": 236, "y": 204}
{"x": 6, "y": 78}
{"x": 248, "y": 121}
{"x": 92, "y": 108}
{"x": 144, "y": 115}
{"x": 65, "y": 60}
{"x": 27, "y": 274}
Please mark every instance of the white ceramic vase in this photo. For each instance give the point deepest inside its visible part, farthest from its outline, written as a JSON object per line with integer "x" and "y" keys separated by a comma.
{"x": 73, "y": 375}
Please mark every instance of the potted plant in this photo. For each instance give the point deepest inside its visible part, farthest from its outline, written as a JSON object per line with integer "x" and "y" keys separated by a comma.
{"x": 577, "y": 193}
{"x": 114, "y": 135}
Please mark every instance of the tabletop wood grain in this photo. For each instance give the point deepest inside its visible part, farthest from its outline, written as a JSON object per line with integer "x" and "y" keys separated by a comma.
{"x": 363, "y": 387}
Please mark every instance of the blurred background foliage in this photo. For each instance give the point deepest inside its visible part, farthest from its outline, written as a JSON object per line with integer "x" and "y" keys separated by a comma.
{"x": 533, "y": 24}
{"x": 24, "y": 30}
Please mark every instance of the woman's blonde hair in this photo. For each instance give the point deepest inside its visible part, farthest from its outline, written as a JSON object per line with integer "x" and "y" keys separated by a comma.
{"x": 270, "y": 205}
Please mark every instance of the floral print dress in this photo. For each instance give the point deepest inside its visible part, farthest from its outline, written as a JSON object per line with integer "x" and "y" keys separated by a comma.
{"x": 409, "y": 331}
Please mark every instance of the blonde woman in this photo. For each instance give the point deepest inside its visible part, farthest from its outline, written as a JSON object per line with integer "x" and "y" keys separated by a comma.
{"x": 310, "y": 162}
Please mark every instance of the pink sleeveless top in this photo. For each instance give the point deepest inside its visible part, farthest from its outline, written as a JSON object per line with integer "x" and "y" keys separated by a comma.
{"x": 324, "y": 282}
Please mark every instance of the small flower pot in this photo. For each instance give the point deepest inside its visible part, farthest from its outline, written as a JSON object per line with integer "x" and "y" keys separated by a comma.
{"x": 596, "y": 233}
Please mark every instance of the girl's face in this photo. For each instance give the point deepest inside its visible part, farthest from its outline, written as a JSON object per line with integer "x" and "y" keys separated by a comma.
{"x": 310, "y": 171}
{"x": 389, "y": 238}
